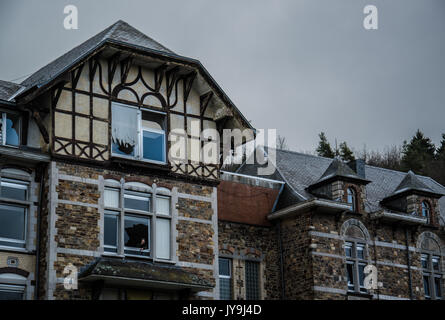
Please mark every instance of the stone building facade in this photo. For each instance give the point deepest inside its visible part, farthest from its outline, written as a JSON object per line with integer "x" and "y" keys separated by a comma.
{"x": 96, "y": 202}
{"x": 344, "y": 231}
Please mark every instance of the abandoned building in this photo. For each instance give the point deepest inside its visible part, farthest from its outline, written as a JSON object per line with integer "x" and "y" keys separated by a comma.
{"x": 92, "y": 207}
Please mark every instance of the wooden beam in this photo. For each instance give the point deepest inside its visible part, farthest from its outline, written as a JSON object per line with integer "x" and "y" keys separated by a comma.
{"x": 125, "y": 68}
{"x": 159, "y": 76}
{"x": 171, "y": 76}
{"x": 188, "y": 83}
{"x": 38, "y": 119}
{"x": 204, "y": 101}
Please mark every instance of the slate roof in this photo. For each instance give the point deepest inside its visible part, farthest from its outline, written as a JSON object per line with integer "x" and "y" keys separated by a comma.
{"x": 300, "y": 170}
{"x": 338, "y": 169}
{"x": 411, "y": 183}
{"x": 118, "y": 32}
{"x": 7, "y": 89}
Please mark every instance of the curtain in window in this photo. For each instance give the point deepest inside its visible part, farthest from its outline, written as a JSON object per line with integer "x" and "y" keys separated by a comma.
{"x": 124, "y": 130}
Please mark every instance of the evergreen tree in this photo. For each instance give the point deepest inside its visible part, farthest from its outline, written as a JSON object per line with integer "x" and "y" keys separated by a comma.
{"x": 324, "y": 148}
{"x": 418, "y": 154}
{"x": 440, "y": 152}
{"x": 346, "y": 154}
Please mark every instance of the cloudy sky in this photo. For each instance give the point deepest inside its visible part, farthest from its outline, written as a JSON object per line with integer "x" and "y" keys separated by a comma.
{"x": 300, "y": 66}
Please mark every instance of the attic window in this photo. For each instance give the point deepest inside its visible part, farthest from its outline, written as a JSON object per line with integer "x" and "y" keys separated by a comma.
{"x": 426, "y": 210}
{"x": 138, "y": 134}
{"x": 9, "y": 129}
{"x": 352, "y": 198}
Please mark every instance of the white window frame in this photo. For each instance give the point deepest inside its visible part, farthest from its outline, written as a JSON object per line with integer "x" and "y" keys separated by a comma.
{"x": 152, "y": 193}
{"x": 140, "y": 134}
{"x": 25, "y": 204}
{"x": 4, "y": 127}
{"x": 221, "y": 276}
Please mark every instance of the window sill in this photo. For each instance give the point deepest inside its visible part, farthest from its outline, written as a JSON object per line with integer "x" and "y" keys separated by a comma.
{"x": 115, "y": 255}
{"x": 350, "y": 295}
{"x": 18, "y": 250}
{"x": 142, "y": 163}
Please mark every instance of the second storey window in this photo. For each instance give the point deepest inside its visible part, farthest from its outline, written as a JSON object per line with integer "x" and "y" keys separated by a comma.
{"x": 426, "y": 211}
{"x": 355, "y": 266}
{"x": 13, "y": 213}
{"x": 138, "y": 133}
{"x": 9, "y": 129}
{"x": 352, "y": 199}
{"x": 137, "y": 223}
{"x": 432, "y": 276}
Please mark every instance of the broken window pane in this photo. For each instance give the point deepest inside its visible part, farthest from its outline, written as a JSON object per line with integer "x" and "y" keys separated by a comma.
{"x": 137, "y": 235}
{"x": 124, "y": 130}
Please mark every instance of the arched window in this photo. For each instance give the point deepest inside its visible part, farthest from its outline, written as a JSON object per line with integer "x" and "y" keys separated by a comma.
{"x": 431, "y": 268}
{"x": 352, "y": 198}
{"x": 355, "y": 235}
{"x": 426, "y": 210}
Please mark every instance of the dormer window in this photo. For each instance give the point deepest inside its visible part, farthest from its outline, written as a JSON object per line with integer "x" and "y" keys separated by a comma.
{"x": 352, "y": 198}
{"x": 9, "y": 129}
{"x": 138, "y": 134}
{"x": 426, "y": 210}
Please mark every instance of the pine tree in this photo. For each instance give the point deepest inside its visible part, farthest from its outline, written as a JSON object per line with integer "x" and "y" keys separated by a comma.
{"x": 418, "y": 154}
{"x": 324, "y": 148}
{"x": 346, "y": 154}
{"x": 440, "y": 152}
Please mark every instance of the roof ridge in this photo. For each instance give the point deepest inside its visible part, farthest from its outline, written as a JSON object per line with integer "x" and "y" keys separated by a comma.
{"x": 302, "y": 153}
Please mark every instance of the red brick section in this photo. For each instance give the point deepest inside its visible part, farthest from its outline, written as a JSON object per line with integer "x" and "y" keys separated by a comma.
{"x": 238, "y": 202}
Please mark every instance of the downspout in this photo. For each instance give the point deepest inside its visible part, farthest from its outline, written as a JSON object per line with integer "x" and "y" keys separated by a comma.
{"x": 408, "y": 263}
{"x": 280, "y": 244}
{"x": 375, "y": 258}
{"x": 39, "y": 218}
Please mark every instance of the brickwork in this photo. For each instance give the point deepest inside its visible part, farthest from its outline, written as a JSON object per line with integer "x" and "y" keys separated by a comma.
{"x": 244, "y": 242}
{"x": 77, "y": 230}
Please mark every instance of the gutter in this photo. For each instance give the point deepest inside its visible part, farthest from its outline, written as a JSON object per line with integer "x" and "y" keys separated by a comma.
{"x": 310, "y": 204}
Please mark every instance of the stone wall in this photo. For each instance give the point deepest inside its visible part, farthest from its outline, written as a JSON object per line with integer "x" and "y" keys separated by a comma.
{"x": 73, "y": 225}
{"x": 241, "y": 242}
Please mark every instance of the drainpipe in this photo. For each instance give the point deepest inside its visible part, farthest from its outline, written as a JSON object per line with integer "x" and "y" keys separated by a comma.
{"x": 408, "y": 262}
{"x": 39, "y": 218}
{"x": 280, "y": 242}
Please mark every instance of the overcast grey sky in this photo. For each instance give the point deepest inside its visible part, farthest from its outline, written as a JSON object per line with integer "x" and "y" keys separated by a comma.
{"x": 301, "y": 66}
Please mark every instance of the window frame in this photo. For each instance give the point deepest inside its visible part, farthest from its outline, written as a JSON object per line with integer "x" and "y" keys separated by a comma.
{"x": 14, "y": 288}
{"x": 258, "y": 278}
{"x": 139, "y": 151}
{"x": 3, "y": 129}
{"x": 430, "y": 274}
{"x": 12, "y": 202}
{"x": 229, "y": 277}
{"x": 152, "y": 193}
{"x": 425, "y": 207}
{"x": 354, "y": 198}
{"x": 356, "y": 262}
